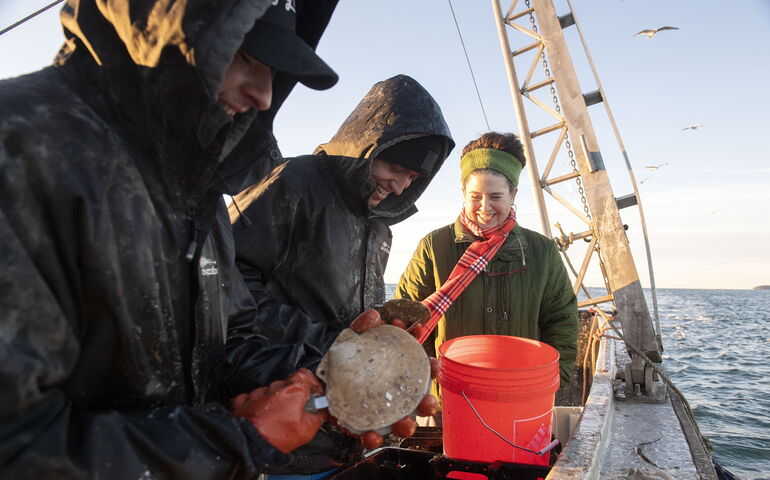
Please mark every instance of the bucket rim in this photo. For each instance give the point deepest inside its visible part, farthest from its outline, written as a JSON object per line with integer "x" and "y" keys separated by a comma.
{"x": 443, "y": 357}
{"x": 548, "y": 386}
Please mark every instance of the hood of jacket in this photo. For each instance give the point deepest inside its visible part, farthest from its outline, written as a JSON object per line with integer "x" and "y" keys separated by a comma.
{"x": 153, "y": 68}
{"x": 393, "y": 110}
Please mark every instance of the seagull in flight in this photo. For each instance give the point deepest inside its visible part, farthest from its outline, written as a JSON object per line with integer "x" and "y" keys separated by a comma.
{"x": 655, "y": 167}
{"x": 651, "y": 32}
{"x": 692, "y": 127}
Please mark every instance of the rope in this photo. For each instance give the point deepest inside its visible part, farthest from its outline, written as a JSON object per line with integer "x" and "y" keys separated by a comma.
{"x": 468, "y": 60}
{"x": 29, "y": 17}
{"x": 586, "y": 365}
{"x": 645, "y": 457}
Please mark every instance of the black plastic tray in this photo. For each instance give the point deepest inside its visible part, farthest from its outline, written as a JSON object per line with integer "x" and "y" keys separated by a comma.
{"x": 394, "y": 463}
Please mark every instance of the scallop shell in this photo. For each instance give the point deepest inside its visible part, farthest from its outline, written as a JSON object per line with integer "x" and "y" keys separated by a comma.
{"x": 374, "y": 379}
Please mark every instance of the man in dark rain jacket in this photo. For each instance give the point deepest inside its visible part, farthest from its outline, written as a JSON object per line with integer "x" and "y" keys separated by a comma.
{"x": 313, "y": 238}
{"x": 116, "y": 284}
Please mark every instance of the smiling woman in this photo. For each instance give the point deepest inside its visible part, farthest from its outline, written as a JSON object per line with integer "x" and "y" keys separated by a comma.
{"x": 488, "y": 197}
{"x": 486, "y": 275}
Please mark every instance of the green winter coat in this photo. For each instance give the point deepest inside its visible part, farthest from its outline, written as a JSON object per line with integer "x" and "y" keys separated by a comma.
{"x": 527, "y": 297}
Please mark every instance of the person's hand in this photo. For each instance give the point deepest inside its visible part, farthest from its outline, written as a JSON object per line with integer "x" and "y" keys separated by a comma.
{"x": 405, "y": 313}
{"x": 428, "y": 405}
{"x": 278, "y": 410}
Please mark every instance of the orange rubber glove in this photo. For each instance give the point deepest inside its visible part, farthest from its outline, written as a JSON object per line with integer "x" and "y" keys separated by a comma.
{"x": 405, "y": 427}
{"x": 278, "y": 410}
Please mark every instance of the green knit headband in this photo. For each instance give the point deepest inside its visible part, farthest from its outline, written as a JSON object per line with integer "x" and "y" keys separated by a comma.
{"x": 498, "y": 160}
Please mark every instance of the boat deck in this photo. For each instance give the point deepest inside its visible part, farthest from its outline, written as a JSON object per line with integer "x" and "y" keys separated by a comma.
{"x": 629, "y": 438}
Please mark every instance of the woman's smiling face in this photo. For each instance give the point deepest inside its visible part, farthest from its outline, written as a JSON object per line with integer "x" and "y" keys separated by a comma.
{"x": 487, "y": 198}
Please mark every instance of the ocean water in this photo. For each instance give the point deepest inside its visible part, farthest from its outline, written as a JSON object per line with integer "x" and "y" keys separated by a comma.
{"x": 717, "y": 352}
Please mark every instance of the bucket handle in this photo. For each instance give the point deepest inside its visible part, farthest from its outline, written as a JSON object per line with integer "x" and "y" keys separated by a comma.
{"x": 543, "y": 451}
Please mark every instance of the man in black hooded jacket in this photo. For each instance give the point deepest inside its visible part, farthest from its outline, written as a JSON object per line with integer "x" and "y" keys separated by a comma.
{"x": 117, "y": 277}
{"x": 313, "y": 238}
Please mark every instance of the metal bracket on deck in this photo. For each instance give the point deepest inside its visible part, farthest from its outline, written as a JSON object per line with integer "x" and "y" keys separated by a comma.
{"x": 650, "y": 390}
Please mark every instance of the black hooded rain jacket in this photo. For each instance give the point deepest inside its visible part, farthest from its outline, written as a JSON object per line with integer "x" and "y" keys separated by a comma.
{"x": 116, "y": 282}
{"x": 310, "y": 248}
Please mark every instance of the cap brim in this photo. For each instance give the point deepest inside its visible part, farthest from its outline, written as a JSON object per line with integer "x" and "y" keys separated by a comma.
{"x": 282, "y": 50}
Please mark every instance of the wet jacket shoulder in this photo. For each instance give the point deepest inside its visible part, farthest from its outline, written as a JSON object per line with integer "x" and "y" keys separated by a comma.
{"x": 304, "y": 242}
{"x": 116, "y": 281}
{"x": 312, "y": 251}
{"x": 525, "y": 291}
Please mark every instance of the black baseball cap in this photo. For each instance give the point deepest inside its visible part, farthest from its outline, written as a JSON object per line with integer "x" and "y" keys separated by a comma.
{"x": 274, "y": 42}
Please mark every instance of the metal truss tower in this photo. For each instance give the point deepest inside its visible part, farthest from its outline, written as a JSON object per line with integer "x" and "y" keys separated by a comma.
{"x": 550, "y": 71}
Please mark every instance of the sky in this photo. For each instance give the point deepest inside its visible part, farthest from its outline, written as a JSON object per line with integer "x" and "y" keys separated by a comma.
{"x": 707, "y": 207}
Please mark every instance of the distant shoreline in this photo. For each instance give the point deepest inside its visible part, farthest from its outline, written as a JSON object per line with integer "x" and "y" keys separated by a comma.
{"x": 761, "y": 287}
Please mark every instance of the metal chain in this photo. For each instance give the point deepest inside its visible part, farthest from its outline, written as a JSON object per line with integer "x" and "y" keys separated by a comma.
{"x": 571, "y": 154}
{"x": 557, "y": 107}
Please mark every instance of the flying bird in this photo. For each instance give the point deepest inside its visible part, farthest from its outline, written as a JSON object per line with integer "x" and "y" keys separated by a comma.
{"x": 692, "y": 127}
{"x": 655, "y": 167}
{"x": 651, "y": 32}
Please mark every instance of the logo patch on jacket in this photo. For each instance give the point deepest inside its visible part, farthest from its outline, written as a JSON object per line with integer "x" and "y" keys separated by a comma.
{"x": 208, "y": 267}
{"x": 385, "y": 247}
{"x": 289, "y": 6}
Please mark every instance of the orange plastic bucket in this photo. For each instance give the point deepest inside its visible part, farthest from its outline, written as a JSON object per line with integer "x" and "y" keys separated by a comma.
{"x": 511, "y": 383}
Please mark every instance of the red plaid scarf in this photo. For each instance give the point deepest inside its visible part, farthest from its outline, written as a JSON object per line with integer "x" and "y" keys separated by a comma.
{"x": 474, "y": 261}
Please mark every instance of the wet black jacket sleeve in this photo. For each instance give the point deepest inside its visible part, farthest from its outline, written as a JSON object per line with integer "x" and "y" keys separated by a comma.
{"x": 281, "y": 337}
{"x": 43, "y": 434}
{"x": 254, "y": 359}
{"x": 269, "y": 337}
